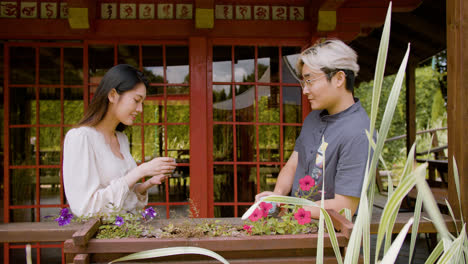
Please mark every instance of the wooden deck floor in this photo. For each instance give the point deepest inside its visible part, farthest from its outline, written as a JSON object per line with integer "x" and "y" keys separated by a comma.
{"x": 421, "y": 249}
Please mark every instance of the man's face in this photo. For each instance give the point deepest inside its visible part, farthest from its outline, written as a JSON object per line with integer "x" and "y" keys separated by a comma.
{"x": 321, "y": 93}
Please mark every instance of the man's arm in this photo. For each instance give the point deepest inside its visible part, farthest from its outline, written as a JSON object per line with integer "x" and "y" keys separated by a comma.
{"x": 337, "y": 203}
{"x": 284, "y": 184}
{"x": 285, "y": 178}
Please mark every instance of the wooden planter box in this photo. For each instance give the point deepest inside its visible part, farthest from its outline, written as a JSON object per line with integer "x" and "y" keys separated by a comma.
{"x": 246, "y": 249}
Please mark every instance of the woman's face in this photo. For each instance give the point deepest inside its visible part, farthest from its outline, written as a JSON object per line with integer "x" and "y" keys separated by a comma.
{"x": 129, "y": 104}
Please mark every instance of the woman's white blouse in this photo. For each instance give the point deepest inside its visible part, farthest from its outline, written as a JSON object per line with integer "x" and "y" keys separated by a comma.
{"x": 94, "y": 177}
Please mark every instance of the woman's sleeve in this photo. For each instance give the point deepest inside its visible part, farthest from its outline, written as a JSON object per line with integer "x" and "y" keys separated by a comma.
{"x": 82, "y": 180}
{"x": 136, "y": 200}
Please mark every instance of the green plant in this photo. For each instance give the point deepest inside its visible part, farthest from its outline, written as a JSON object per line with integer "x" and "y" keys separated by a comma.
{"x": 293, "y": 220}
{"x": 454, "y": 249}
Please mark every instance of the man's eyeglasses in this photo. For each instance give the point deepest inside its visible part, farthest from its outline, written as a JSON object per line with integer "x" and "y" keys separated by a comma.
{"x": 307, "y": 83}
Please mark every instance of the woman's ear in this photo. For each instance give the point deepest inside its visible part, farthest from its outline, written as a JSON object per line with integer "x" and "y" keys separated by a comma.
{"x": 113, "y": 96}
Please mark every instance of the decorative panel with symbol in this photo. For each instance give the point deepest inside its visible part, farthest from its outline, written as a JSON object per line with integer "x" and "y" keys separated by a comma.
{"x": 146, "y": 11}
{"x": 108, "y": 11}
{"x": 279, "y": 12}
{"x": 64, "y": 10}
{"x": 9, "y": 9}
{"x": 224, "y": 11}
{"x": 28, "y": 10}
{"x": 165, "y": 11}
{"x": 48, "y": 10}
{"x": 243, "y": 12}
{"x": 184, "y": 11}
{"x": 127, "y": 11}
{"x": 261, "y": 12}
{"x": 296, "y": 13}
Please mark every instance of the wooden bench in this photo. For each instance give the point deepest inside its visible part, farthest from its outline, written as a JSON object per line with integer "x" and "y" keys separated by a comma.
{"x": 425, "y": 224}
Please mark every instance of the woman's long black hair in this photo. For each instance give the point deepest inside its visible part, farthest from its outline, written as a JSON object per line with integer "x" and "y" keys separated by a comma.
{"x": 122, "y": 78}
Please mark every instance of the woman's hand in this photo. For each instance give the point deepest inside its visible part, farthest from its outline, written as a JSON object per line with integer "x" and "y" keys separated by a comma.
{"x": 158, "y": 166}
{"x": 158, "y": 179}
{"x": 155, "y": 180}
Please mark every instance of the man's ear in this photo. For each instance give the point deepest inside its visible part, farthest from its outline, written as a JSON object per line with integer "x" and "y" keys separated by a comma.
{"x": 340, "y": 79}
{"x": 113, "y": 96}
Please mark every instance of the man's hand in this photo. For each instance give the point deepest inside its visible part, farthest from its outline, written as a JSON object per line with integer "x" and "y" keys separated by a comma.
{"x": 263, "y": 194}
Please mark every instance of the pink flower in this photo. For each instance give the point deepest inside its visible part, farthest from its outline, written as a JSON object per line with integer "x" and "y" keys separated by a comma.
{"x": 265, "y": 207}
{"x": 248, "y": 228}
{"x": 306, "y": 183}
{"x": 257, "y": 214}
{"x": 302, "y": 216}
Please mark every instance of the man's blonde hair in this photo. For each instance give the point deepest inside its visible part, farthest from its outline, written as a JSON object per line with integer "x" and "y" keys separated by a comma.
{"x": 330, "y": 56}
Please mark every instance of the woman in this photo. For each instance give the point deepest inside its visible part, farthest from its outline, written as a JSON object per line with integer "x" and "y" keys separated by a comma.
{"x": 99, "y": 172}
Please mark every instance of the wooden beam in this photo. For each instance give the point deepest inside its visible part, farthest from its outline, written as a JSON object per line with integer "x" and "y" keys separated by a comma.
{"x": 331, "y": 5}
{"x": 457, "y": 92}
{"x": 36, "y": 232}
{"x": 410, "y": 80}
{"x": 145, "y": 29}
{"x": 209, "y": 4}
{"x": 397, "y": 5}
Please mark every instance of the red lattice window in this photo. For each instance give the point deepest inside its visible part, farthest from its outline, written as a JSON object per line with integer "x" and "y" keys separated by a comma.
{"x": 256, "y": 118}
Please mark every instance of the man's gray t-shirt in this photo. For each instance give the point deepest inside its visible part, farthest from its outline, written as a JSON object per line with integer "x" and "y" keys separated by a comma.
{"x": 345, "y": 147}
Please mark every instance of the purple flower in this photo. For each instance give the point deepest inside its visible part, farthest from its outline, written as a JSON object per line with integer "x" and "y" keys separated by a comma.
{"x": 119, "y": 221}
{"x": 149, "y": 213}
{"x": 64, "y": 218}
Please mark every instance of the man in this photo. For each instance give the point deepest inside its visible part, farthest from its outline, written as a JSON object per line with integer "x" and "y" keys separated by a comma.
{"x": 333, "y": 134}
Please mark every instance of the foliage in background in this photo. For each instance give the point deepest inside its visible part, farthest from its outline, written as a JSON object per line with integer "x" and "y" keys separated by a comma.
{"x": 430, "y": 111}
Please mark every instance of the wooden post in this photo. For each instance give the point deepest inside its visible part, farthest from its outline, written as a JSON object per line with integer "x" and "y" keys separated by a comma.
{"x": 199, "y": 190}
{"x": 81, "y": 259}
{"x": 410, "y": 105}
{"x": 457, "y": 93}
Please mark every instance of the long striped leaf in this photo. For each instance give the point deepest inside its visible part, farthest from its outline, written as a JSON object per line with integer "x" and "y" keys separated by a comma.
{"x": 171, "y": 251}
{"x": 278, "y": 199}
{"x": 456, "y": 178}
{"x": 347, "y": 214}
{"x": 332, "y": 234}
{"x": 354, "y": 243}
{"x": 432, "y": 209}
{"x": 452, "y": 215}
{"x": 454, "y": 250}
{"x": 380, "y": 69}
{"x": 365, "y": 230}
{"x": 389, "y": 228}
{"x": 321, "y": 227}
{"x": 392, "y": 253}
{"x": 436, "y": 252}
{"x": 414, "y": 233}
{"x": 389, "y": 111}
{"x": 392, "y": 205}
